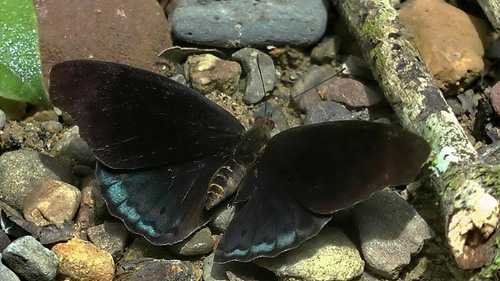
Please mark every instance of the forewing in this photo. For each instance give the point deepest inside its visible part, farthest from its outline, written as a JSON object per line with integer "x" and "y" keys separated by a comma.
{"x": 165, "y": 204}
{"x": 133, "y": 118}
{"x": 331, "y": 166}
{"x": 271, "y": 221}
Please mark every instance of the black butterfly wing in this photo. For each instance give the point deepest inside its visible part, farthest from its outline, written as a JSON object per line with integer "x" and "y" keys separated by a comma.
{"x": 311, "y": 171}
{"x": 133, "y": 118}
{"x": 158, "y": 143}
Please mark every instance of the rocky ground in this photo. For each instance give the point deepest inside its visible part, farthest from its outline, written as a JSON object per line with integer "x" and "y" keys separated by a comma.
{"x": 47, "y": 170}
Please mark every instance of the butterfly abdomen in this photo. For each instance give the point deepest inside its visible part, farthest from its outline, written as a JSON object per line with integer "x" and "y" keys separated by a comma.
{"x": 224, "y": 182}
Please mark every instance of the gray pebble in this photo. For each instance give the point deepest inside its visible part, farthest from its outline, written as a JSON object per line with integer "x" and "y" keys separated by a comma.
{"x": 22, "y": 171}
{"x": 242, "y": 23}
{"x": 267, "y": 73}
{"x": 110, "y": 237}
{"x": 201, "y": 242}
{"x": 391, "y": 232}
{"x": 30, "y": 260}
{"x": 3, "y": 119}
{"x": 326, "y": 111}
{"x": 357, "y": 67}
{"x": 222, "y": 218}
{"x": 304, "y": 93}
{"x": 71, "y": 145}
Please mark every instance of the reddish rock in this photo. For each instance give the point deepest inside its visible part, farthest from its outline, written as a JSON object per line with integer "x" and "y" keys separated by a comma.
{"x": 209, "y": 73}
{"x": 495, "y": 98}
{"x": 350, "y": 92}
{"x": 124, "y": 31}
{"x": 449, "y": 40}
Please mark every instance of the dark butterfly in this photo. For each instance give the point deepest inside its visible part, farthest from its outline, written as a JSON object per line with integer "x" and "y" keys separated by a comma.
{"x": 166, "y": 154}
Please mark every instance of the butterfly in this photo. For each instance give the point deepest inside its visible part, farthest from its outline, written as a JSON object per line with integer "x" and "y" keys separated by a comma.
{"x": 167, "y": 155}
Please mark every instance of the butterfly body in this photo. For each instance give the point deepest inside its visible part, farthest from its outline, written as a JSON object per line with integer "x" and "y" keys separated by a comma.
{"x": 167, "y": 156}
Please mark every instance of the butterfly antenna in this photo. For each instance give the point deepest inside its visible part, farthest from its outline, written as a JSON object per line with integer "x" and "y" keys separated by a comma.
{"x": 313, "y": 87}
{"x": 262, "y": 81}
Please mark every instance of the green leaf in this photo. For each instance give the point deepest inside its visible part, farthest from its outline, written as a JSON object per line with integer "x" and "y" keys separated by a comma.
{"x": 20, "y": 71}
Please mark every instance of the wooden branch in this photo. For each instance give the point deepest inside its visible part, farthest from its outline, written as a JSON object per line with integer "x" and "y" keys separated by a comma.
{"x": 491, "y": 9}
{"x": 469, "y": 205}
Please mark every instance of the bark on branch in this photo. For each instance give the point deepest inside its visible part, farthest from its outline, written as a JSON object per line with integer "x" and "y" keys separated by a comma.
{"x": 468, "y": 189}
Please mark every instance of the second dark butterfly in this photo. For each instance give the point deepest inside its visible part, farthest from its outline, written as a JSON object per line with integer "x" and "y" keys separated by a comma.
{"x": 165, "y": 151}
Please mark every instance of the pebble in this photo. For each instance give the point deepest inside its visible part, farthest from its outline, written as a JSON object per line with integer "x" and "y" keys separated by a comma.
{"x": 327, "y": 50}
{"x": 52, "y": 126}
{"x": 326, "y": 111}
{"x": 152, "y": 269}
{"x": 43, "y": 116}
{"x": 209, "y": 73}
{"x": 3, "y": 119}
{"x": 131, "y": 32}
{"x": 110, "y": 236}
{"x": 243, "y": 271}
{"x": 72, "y": 146}
{"x": 4, "y": 240}
{"x": 201, "y": 242}
{"x": 350, "y": 92}
{"x": 241, "y": 23}
{"x": 455, "y": 105}
{"x": 6, "y": 274}
{"x": 391, "y": 232}
{"x": 81, "y": 260}
{"x": 328, "y": 256}
{"x": 222, "y": 218}
{"x": 31, "y": 260}
{"x": 141, "y": 248}
{"x": 439, "y": 30}
{"x": 495, "y": 98}
{"x": 304, "y": 92}
{"x": 264, "y": 70}
{"x": 23, "y": 171}
{"x": 54, "y": 202}
{"x": 357, "y": 67}
{"x": 52, "y": 233}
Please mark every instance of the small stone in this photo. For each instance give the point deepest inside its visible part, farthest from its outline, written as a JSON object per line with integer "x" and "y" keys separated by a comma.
{"x": 74, "y": 147}
{"x": 6, "y": 274}
{"x": 52, "y": 126}
{"x": 3, "y": 119}
{"x": 326, "y": 111}
{"x": 391, "y": 232}
{"x": 52, "y": 233}
{"x": 92, "y": 204}
{"x": 304, "y": 92}
{"x": 110, "y": 237}
{"x": 43, "y": 116}
{"x": 23, "y": 171}
{"x": 455, "y": 105}
{"x": 264, "y": 70}
{"x": 151, "y": 269}
{"x": 350, "y": 92}
{"x": 4, "y": 241}
{"x": 328, "y": 256}
{"x": 222, "y": 218}
{"x": 31, "y": 260}
{"x": 439, "y": 30}
{"x": 241, "y": 23}
{"x": 495, "y": 98}
{"x": 199, "y": 243}
{"x": 326, "y": 50}
{"x": 244, "y": 271}
{"x": 141, "y": 248}
{"x": 80, "y": 260}
{"x": 54, "y": 202}
{"x": 357, "y": 67}
{"x": 209, "y": 73}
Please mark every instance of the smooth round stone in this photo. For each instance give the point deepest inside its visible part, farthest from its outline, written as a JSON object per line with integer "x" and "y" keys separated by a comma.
{"x": 81, "y": 260}
{"x": 31, "y": 260}
{"x": 22, "y": 171}
{"x": 198, "y": 244}
{"x": 240, "y": 23}
{"x": 326, "y": 111}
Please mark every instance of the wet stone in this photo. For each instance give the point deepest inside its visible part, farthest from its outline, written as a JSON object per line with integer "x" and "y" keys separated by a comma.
{"x": 264, "y": 70}
{"x": 110, "y": 237}
{"x": 152, "y": 269}
{"x": 199, "y": 243}
{"x": 31, "y": 260}
{"x": 22, "y": 171}
{"x": 241, "y": 23}
{"x": 326, "y": 111}
{"x": 391, "y": 232}
{"x": 54, "y": 202}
